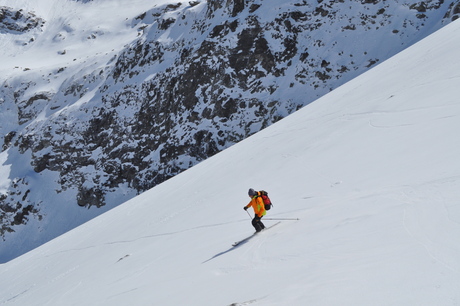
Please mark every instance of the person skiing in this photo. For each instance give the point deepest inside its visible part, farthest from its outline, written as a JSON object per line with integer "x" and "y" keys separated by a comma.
{"x": 259, "y": 209}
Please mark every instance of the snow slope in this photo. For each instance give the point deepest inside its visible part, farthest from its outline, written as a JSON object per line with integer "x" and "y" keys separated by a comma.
{"x": 371, "y": 170}
{"x": 101, "y": 100}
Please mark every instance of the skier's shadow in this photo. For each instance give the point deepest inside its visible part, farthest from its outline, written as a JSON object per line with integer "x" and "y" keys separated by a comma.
{"x": 225, "y": 252}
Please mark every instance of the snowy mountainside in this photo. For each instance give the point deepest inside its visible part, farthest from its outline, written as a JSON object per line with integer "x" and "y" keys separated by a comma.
{"x": 101, "y": 100}
{"x": 371, "y": 169}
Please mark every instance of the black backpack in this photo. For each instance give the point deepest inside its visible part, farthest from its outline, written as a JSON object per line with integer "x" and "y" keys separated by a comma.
{"x": 264, "y": 195}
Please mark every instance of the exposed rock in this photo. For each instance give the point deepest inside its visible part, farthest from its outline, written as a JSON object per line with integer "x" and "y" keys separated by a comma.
{"x": 18, "y": 21}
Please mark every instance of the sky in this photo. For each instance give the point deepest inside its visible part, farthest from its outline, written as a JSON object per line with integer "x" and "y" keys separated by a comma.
{"x": 371, "y": 170}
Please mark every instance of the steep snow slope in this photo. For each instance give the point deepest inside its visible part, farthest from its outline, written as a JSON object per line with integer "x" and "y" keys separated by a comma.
{"x": 371, "y": 170}
{"x": 101, "y": 100}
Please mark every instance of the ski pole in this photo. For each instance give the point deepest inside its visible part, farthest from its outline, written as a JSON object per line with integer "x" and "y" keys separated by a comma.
{"x": 281, "y": 219}
{"x": 249, "y": 214}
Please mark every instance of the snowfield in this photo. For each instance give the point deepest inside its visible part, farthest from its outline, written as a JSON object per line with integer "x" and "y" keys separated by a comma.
{"x": 372, "y": 170}
{"x": 101, "y": 100}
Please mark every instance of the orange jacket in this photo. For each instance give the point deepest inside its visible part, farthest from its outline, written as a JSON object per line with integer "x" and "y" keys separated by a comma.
{"x": 258, "y": 205}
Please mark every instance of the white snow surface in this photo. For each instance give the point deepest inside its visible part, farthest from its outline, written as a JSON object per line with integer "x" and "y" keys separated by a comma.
{"x": 372, "y": 170}
{"x": 78, "y": 46}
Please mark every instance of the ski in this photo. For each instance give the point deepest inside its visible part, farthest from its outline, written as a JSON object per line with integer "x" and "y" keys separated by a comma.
{"x": 253, "y": 235}
{"x": 244, "y": 240}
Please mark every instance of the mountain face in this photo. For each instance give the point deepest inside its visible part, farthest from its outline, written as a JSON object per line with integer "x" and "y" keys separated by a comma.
{"x": 366, "y": 180}
{"x": 100, "y": 102}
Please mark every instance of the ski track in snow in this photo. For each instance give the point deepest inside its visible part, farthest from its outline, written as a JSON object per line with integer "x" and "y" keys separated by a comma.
{"x": 147, "y": 237}
{"x": 430, "y": 235}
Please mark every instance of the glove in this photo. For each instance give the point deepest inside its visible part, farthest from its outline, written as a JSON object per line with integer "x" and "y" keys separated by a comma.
{"x": 245, "y": 208}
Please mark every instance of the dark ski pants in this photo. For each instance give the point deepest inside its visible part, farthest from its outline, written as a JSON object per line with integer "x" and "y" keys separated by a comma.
{"x": 257, "y": 223}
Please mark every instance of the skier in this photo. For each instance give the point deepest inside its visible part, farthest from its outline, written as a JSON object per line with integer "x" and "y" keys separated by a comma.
{"x": 259, "y": 209}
